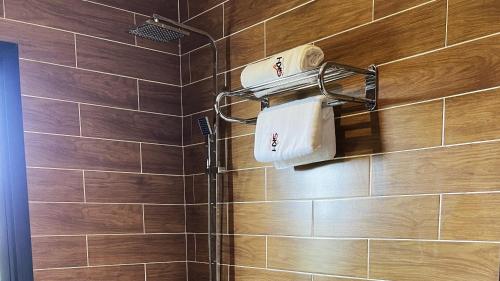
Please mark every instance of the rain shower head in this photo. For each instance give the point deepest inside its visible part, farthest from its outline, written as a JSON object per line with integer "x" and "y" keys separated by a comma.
{"x": 159, "y": 29}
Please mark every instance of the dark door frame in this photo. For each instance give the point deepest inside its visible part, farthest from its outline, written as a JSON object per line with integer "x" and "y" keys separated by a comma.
{"x": 15, "y": 238}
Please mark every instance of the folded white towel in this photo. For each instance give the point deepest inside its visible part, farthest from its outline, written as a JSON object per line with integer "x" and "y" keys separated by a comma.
{"x": 293, "y": 61}
{"x": 295, "y": 133}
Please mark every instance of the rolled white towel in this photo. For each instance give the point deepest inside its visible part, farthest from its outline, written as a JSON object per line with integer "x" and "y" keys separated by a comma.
{"x": 287, "y": 63}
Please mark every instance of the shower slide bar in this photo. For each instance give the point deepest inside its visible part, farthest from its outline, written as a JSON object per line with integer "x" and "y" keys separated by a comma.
{"x": 319, "y": 77}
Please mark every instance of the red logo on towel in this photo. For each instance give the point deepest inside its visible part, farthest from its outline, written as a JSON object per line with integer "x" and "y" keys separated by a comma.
{"x": 274, "y": 141}
{"x": 278, "y": 66}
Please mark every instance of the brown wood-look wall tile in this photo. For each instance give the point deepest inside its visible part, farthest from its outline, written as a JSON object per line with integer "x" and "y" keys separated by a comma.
{"x": 338, "y": 257}
{"x": 248, "y": 109}
{"x": 339, "y": 178}
{"x": 39, "y": 43}
{"x": 240, "y": 153}
{"x": 169, "y": 47}
{"x": 49, "y": 116}
{"x": 385, "y": 217}
{"x": 185, "y": 69}
{"x": 164, "y": 219}
{"x": 195, "y": 159}
{"x": 74, "y": 15}
{"x": 211, "y": 22}
{"x": 274, "y": 218}
{"x": 120, "y": 124}
{"x": 127, "y": 249}
{"x": 55, "y": 185}
{"x": 64, "y": 83}
{"x": 160, "y": 159}
{"x": 471, "y": 19}
{"x": 470, "y": 217}
{"x": 394, "y": 129}
{"x": 429, "y": 261}
{"x": 242, "y": 14}
{"x": 80, "y": 153}
{"x": 243, "y": 47}
{"x": 244, "y": 250}
{"x": 199, "y": 96}
{"x": 384, "y": 8}
{"x": 58, "y": 251}
{"x": 108, "y": 273}
{"x": 191, "y": 247}
{"x": 415, "y": 31}
{"x": 239, "y": 49}
{"x": 76, "y": 218}
{"x": 252, "y": 274}
{"x": 202, "y": 254}
{"x": 244, "y": 186}
{"x": 146, "y": 7}
{"x": 103, "y": 187}
{"x": 458, "y": 69}
{"x": 200, "y": 189}
{"x": 166, "y": 271}
{"x": 198, "y": 271}
{"x": 183, "y": 10}
{"x": 154, "y": 97}
{"x": 198, "y": 6}
{"x": 453, "y": 169}
{"x": 197, "y": 218}
{"x": 472, "y": 117}
{"x": 284, "y": 32}
{"x": 110, "y": 57}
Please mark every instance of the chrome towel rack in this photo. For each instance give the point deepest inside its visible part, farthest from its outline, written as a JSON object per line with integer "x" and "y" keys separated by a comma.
{"x": 319, "y": 77}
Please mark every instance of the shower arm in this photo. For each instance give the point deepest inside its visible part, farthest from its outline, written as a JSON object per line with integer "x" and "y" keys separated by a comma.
{"x": 212, "y": 168}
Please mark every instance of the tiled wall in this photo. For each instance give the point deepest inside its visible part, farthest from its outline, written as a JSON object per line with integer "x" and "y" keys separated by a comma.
{"x": 103, "y": 133}
{"x": 413, "y": 194}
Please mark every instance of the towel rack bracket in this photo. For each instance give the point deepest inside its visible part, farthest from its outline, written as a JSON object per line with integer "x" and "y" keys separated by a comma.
{"x": 317, "y": 78}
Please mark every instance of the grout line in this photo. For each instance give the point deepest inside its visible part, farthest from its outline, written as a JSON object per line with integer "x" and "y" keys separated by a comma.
{"x": 80, "y": 119}
{"x": 97, "y": 71}
{"x": 106, "y": 203}
{"x": 267, "y": 251}
{"x": 76, "y": 53}
{"x": 103, "y": 106}
{"x": 139, "y": 97}
{"x": 440, "y": 215}
{"x": 107, "y": 265}
{"x": 101, "y": 171}
{"x": 140, "y": 156}
{"x": 204, "y": 11}
{"x": 145, "y": 273}
{"x": 3, "y": 4}
{"x": 443, "y": 123}
{"x": 319, "y": 238}
{"x": 103, "y": 139}
{"x": 84, "y": 188}
{"x": 446, "y": 24}
{"x": 368, "y": 260}
{"x": 87, "y": 249}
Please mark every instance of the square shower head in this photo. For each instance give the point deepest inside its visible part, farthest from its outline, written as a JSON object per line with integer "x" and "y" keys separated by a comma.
{"x": 157, "y": 31}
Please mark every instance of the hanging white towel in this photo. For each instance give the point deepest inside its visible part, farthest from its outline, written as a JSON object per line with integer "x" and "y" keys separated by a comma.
{"x": 282, "y": 65}
{"x": 295, "y": 133}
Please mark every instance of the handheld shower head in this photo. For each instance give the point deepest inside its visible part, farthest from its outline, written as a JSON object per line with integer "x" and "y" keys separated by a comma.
{"x": 205, "y": 127}
{"x": 160, "y": 30}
